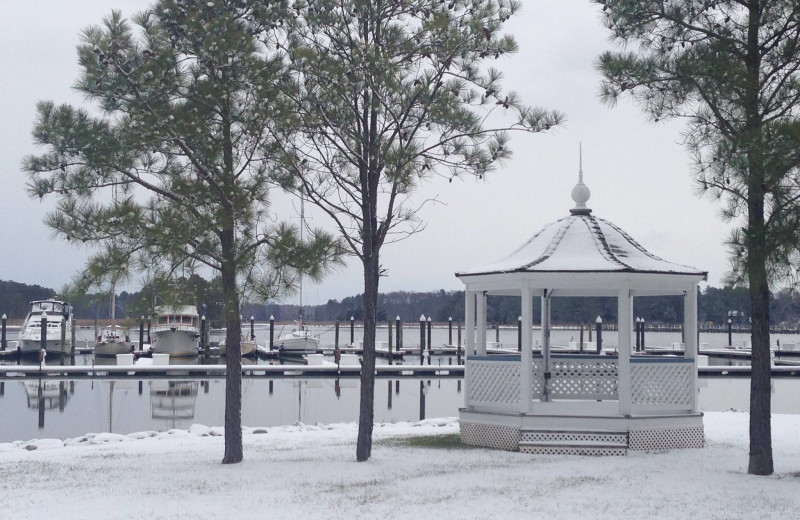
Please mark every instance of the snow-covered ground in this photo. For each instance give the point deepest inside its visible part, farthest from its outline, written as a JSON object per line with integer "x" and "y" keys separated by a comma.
{"x": 304, "y": 471}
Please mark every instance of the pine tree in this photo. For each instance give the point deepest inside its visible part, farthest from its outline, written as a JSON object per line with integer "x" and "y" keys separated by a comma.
{"x": 390, "y": 93}
{"x": 187, "y": 103}
{"x": 730, "y": 68}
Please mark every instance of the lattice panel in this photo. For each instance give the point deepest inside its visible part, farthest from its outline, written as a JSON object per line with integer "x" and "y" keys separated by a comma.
{"x": 490, "y": 436}
{"x": 537, "y": 379}
{"x": 577, "y": 378}
{"x": 662, "y": 384}
{"x": 670, "y": 439}
{"x": 620, "y": 439}
{"x": 493, "y": 383}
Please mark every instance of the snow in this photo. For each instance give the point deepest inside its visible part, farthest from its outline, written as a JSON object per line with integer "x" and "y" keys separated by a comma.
{"x": 309, "y": 471}
{"x": 583, "y": 243}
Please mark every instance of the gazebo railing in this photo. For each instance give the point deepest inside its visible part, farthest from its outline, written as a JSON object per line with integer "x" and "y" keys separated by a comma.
{"x": 658, "y": 384}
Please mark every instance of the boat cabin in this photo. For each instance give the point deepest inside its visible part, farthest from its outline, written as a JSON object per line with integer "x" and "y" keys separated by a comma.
{"x": 542, "y": 401}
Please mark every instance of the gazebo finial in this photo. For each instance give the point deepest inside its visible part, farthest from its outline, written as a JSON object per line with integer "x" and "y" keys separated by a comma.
{"x": 580, "y": 193}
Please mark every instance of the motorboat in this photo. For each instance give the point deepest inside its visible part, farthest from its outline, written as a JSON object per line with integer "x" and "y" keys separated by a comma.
{"x": 248, "y": 347}
{"x": 58, "y": 317}
{"x": 176, "y": 331}
{"x": 297, "y": 342}
{"x": 112, "y": 341}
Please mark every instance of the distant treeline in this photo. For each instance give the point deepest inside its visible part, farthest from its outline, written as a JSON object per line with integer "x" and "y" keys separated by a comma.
{"x": 716, "y": 306}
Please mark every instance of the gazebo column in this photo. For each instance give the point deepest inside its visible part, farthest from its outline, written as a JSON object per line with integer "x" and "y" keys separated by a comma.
{"x": 624, "y": 325}
{"x": 526, "y": 356}
{"x": 481, "y": 308}
{"x": 469, "y": 322}
{"x": 545, "y": 344}
{"x": 690, "y": 326}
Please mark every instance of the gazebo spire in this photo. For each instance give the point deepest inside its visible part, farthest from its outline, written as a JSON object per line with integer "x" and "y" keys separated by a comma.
{"x": 580, "y": 193}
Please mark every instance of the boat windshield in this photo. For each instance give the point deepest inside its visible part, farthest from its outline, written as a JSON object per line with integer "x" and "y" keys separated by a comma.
{"x": 49, "y": 307}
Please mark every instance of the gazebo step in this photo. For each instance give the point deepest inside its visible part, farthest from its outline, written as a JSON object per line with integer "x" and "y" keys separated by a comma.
{"x": 573, "y": 442}
{"x": 555, "y": 449}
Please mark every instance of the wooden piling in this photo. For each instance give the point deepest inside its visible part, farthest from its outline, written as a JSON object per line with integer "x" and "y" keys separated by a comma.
{"x": 203, "y": 325}
{"x": 599, "y": 331}
{"x": 389, "y": 324}
{"x": 252, "y": 328}
{"x": 399, "y": 327}
{"x": 450, "y": 331}
{"x": 519, "y": 334}
{"x": 3, "y": 333}
{"x": 336, "y": 334}
{"x": 643, "y": 348}
{"x": 580, "y": 340}
{"x": 421, "y": 338}
{"x": 43, "y": 332}
{"x": 141, "y": 333}
{"x": 352, "y": 331}
{"x": 272, "y": 332}
{"x": 429, "y": 335}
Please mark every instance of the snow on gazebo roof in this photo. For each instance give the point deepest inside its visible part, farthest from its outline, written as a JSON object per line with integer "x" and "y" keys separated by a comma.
{"x": 582, "y": 243}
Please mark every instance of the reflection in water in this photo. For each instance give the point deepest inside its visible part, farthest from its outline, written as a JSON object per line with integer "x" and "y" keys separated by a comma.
{"x": 173, "y": 400}
{"x": 46, "y": 395}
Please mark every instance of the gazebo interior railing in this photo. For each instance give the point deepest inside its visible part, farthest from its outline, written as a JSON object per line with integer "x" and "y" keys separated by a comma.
{"x": 657, "y": 384}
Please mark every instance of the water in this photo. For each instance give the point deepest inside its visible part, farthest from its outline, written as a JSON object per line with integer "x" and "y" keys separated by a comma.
{"x": 74, "y": 407}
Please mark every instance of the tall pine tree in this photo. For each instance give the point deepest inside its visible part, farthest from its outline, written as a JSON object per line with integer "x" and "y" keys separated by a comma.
{"x": 187, "y": 101}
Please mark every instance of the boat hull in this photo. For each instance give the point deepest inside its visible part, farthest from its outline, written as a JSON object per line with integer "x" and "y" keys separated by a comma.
{"x": 32, "y": 345}
{"x": 175, "y": 342}
{"x": 248, "y": 348}
{"x": 112, "y": 348}
{"x": 298, "y": 345}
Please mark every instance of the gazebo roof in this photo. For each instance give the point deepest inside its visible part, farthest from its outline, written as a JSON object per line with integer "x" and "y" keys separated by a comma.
{"x": 582, "y": 243}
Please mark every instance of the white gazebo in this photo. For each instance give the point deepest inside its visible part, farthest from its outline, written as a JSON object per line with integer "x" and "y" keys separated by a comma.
{"x": 580, "y": 403}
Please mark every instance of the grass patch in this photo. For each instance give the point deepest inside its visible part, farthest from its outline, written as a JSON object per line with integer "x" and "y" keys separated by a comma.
{"x": 447, "y": 442}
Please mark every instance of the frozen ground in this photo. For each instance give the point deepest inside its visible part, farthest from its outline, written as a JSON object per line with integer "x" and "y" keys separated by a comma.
{"x": 306, "y": 471}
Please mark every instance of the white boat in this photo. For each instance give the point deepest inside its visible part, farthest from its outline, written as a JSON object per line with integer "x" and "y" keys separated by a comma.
{"x": 176, "y": 331}
{"x": 58, "y": 314}
{"x": 297, "y": 342}
{"x": 112, "y": 341}
{"x": 248, "y": 347}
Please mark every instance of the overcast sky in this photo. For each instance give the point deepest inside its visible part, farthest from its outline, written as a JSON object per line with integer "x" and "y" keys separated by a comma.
{"x": 639, "y": 173}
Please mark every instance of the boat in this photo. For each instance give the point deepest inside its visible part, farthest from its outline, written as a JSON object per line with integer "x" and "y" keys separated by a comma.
{"x": 113, "y": 340}
{"x": 176, "y": 331}
{"x": 59, "y": 317}
{"x": 248, "y": 347}
{"x": 299, "y": 341}
{"x": 173, "y": 401}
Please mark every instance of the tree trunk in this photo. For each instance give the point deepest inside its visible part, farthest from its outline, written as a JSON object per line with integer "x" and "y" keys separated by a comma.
{"x": 367, "y": 406}
{"x": 233, "y": 373}
{"x": 760, "y": 462}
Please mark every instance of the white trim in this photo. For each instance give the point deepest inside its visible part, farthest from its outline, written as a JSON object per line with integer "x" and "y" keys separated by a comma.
{"x": 481, "y": 316}
{"x": 624, "y": 324}
{"x": 690, "y": 335}
{"x": 545, "y": 344}
{"x": 526, "y": 357}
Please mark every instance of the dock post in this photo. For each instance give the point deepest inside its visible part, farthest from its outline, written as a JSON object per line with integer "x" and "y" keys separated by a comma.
{"x": 272, "y": 331}
{"x": 450, "y": 331}
{"x": 599, "y": 331}
{"x": 636, "y": 326}
{"x": 352, "y": 331}
{"x": 3, "y": 339}
{"x": 389, "y": 323}
{"x": 519, "y": 334}
{"x": 335, "y": 336}
{"x": 41, "y": 405}
{"x": 43, "y": 332}
{"x": 580, "y": 340}
{"x": 149, "y": 323}
{"x": 252, "y": 328}
{"x": 429, "y": 336}
{"x": 497, "y": 334}
{"x": 203, "y": 325}
{"x": 589, "y": 328}
{"x": 64, "y": 335}
{"x": 642, "y": 333}
{"x": 141, "y": 333}
{"x": 73, "y": 333}
{"x": 421, "y": 338}
{"x": 399, "y": 333}
{"x": 458, "y": 345}
{"x": 730, "y": 334}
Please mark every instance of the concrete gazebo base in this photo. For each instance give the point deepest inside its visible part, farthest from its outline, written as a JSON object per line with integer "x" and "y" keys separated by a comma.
{"x": 594, "y": 434}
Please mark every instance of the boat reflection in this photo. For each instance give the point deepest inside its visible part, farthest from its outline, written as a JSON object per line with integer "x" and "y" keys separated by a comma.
{"x": 173, "y": 401}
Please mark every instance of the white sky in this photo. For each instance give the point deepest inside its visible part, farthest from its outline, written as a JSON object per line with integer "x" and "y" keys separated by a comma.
{"x": 639, "y": 173}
